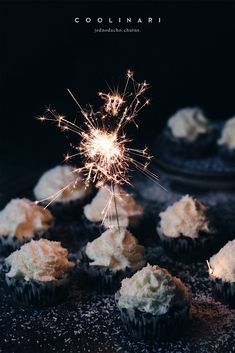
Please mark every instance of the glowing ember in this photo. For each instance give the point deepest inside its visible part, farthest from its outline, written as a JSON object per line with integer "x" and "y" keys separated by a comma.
{"x": 113, "y": 102}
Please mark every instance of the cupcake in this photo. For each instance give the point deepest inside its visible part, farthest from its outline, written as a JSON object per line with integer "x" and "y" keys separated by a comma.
{"x": 187, "y": 230}
{"x": 226, "y": 143}
{"x": 106, "y": 211}
{"x": 190, "y": 133}
{"x": 63, "y": 188}
{"x": 38, "y": 273}
{"x": 153, "y": 305}
{"x": 108, "y": 259}
{"x": 222, "y": 274}
{"x": 21, "y": 221}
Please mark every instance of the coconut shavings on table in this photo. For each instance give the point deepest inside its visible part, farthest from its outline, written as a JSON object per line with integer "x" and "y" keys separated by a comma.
{"x": 87, "y": 322}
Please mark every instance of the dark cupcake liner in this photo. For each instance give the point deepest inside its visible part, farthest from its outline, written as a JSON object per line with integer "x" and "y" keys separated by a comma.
{"x": 186, "y": 249}
{"x": 149, "y": 327}
{"x": 223, "y": 291}
{"x": 98, "y": 278}
{"x": 202, "y": 146}
{"x": 228, "y": 155}
{"x": 67, "y": 211}
{"x": 38, "y": 293}
{"x": 90, "y": 230}
{"x": 144, "y": 227}
{"x": 8, "y": 244}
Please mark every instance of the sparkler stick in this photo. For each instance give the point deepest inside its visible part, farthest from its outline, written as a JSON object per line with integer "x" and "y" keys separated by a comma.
{"x": 115, "y": 204}
{"x": 103, "y": 145}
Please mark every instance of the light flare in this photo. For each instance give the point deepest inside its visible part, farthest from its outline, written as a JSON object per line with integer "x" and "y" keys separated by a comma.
{"x": 104, "y": 148}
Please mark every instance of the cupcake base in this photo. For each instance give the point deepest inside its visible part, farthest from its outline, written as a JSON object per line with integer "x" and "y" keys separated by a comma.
{"x": 38, "y": 293}
{"x": 91, "y": 230}
{"x": 71, "y": 210}
{"x": 143, "y": 227}
{"x": 228, "y": 155}
{"x": 202, "y": 146}
{"x": 223, "y": 291}
{"x": 8, "y": 244}
{"x": 186, "y": 249}
{"x": 100, "y": 278}
{"x": 149, "y": 327}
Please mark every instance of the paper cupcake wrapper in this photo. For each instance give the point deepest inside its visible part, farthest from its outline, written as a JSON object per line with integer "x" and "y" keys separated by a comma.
{"x": 149, "y": 327}
{"x": 228, "y": 155}
{"x": 143, "y": 227}
{"x": 100, "y": 278}
{"x": 223, "y": 291}
{"x": 38, "y": 293}
{"x": 8, "y": 244}
{"x": 186, "y": 249}
{"x": 91, "y": 230}
{"x": 66, "y": 211}
{"x": 202, "y": 146}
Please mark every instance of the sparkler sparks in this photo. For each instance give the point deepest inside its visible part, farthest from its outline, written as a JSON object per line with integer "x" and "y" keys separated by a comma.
{"x": 104, "y": 147}
{"x": 210, "y": 270}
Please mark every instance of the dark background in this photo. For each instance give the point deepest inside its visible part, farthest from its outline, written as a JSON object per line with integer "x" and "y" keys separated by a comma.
{"x": 188, "y": 59}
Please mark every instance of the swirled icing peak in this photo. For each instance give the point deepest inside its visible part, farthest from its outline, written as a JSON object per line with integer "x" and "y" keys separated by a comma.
{"x": 222, "y": 264}
{"x": 189, "y": 123}
{"x": 104, "y": 203}
{"x": 153, "y": 290}
{"x": 62, "y": 182}
{"x": 116, "y": 249}
{"x": 23, "y": 218}
{"x": 186, "y": 217}
{"x": 228, "y": 134}
{"x": 41, "y": 260}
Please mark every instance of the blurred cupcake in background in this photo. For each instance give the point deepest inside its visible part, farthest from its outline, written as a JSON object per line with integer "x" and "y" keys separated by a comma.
{"x": 108, "y": 259}
{"x": 187, "y": 230}
{"x": 20, "y": 221}
{"x": 190, "y": 133}
{"x": 63, "y": 188}
{"x": 106, "y": 211}
{"x": 222, "y": 274}
{"x": 153, "y": 304}
{"x": 226, "y": 142}
{"x": 39, "y": 273}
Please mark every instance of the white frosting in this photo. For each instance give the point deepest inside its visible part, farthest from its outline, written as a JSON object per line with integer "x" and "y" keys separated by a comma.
{"x": 189, "y": 123}
{"x": 185, "y": 217}
{"x": 153, "y": 290}
{"x": 54, "y": 182}
{"x": 228, "y": 134}
{"x": 222, "y": 264}
{"x": 116, "y": 249}
{"x": 42, "y": 260}
{"x": 23, "y": 218}
{"x": 104, "y": 204}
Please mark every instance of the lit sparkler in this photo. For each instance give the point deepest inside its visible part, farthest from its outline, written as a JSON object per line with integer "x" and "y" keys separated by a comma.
{"x": 104, "y": 147}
